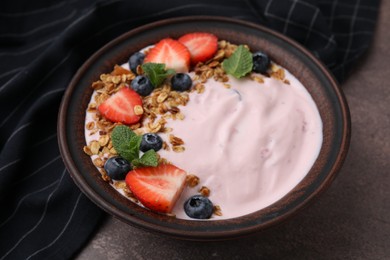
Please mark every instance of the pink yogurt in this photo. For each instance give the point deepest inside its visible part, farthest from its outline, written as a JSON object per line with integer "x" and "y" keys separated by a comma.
{"x": 250, "y": 144}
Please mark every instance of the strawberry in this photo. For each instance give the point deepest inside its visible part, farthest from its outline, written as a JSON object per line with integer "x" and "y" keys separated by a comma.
{"x": 157, "y": 188}
{"x": 120, "y": 106}
{"x": 170, "y": 52}
{"x": 202, "y": 46}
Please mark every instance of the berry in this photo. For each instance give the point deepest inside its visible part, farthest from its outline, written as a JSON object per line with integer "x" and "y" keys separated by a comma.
{"x": 157, "y": 188}
{"x": 136, "y": 59}
{"x": 120, "y": 106}
{"x": 261, "y": 62}
{"x": 117, "y": 168}
{"x": 199, "y": 207}
{"x": 151, "y": 141}
{"x": 202, "y": 46}
{"x": 181, "y": 82}
{"x": 170, "y": 52}
{"x": 142, "y": 85}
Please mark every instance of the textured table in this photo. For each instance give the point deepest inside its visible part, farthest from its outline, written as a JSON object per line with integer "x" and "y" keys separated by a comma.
{"x": 351, "y": 220}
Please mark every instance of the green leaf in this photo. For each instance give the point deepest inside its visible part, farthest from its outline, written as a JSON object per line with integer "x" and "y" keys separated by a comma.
{"x": 134, "y": 144}
{"x": 124, "y": 141}
{"x": 149, "y": 158}
{"x": 156, "y": 72}
{"x": 239, "y": 63}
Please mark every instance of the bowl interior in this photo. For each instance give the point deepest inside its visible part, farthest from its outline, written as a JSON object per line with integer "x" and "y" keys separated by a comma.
{"x": 303, "y": 65}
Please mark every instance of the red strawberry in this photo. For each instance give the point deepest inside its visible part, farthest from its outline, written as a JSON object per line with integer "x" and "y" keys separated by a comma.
{"x": 157, "y": 188}
{"x": 120, "y": 106}
{"x": 170, "y": 52}
{"x": 201, "y": 45}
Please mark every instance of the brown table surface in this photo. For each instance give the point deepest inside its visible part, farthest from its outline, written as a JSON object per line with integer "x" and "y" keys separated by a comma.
{"x": 351, "y": 220}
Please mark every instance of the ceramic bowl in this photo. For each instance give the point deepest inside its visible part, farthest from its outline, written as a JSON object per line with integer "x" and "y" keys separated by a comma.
{"x": 284, "y": 51}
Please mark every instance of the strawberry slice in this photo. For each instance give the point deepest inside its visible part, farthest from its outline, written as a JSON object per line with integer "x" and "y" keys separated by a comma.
{"x": 202, "y": 46}
{"x": 120, "y": 107}
{"x": 157, "y": 188}
{"x": 170, "y": 52}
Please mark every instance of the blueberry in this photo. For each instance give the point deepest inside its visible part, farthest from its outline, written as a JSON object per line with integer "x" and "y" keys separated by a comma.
{"x": 135, "y": 60}
{"x": 181, "y": 82}
{"x": 261, "y": 62}
{"x": 151, "y": 141}
{"x": 117, "y": 168}
{"x": 142, "y": 85}
{"x": 199, "y": 207}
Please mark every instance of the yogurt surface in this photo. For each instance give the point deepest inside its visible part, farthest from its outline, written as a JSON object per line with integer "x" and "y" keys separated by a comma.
{"x": 250, "y": 144}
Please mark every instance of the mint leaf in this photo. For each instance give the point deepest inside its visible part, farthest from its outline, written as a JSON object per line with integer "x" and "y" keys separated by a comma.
{"x": 121, "y": 136}
{"x": 149, "y": 158}
{"x": 134, "y": 144}
{"x": 125, "y": 142}
{"x": 240, "y": 63}
{"x": 156, "y": 72}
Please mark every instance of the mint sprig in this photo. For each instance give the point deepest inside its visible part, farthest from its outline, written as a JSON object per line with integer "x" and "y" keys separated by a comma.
{"x": 156, "y": 72}
{"x": 239, "y": 63}
{"x": 127, "y": 143}
{"x": 149, "y": 158}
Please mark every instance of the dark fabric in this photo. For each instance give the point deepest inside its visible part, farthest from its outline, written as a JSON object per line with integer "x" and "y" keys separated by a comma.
{"x": 42, "y": 43}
